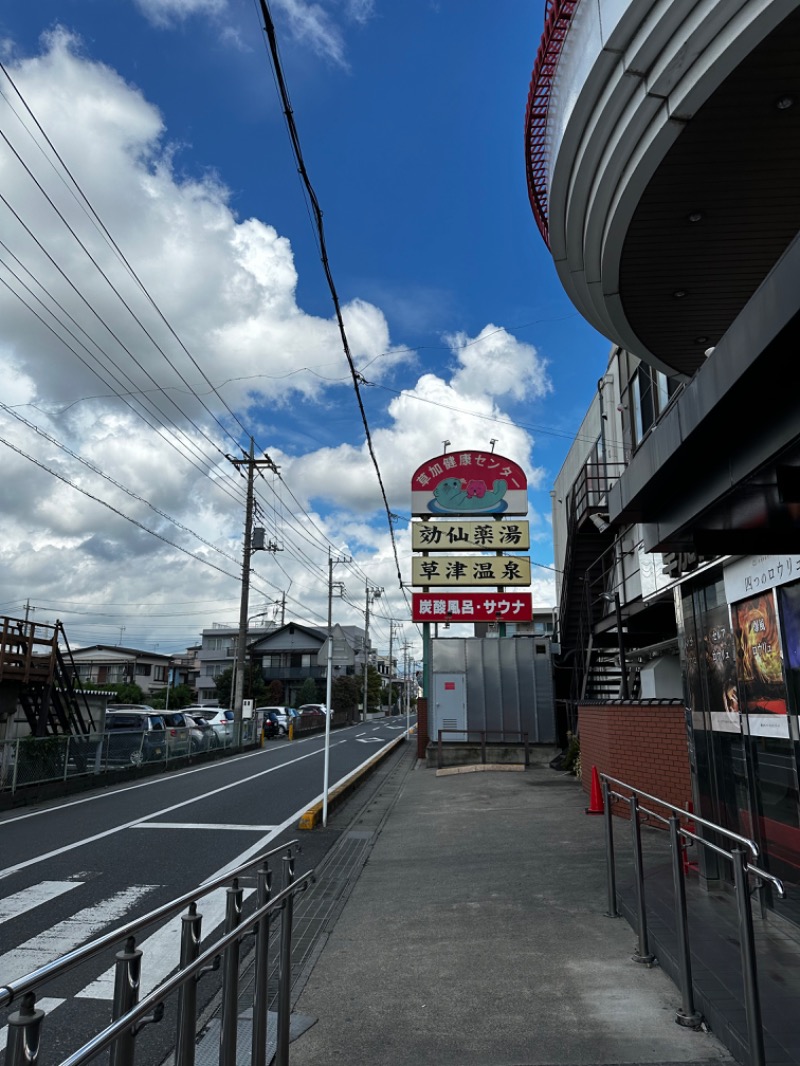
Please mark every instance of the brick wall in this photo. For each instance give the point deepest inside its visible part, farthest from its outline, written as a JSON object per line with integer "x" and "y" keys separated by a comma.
{"x": 643, "y": 744}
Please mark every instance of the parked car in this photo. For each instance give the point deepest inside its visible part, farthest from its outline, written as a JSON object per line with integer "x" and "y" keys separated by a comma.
{"x": 179, "y": 739}
{"x": 135, "y": 734}
{"x": 221, "y": 720}
{"x": 281, "y": 716}
{"x": 203, "y": 734}
{"x": 311, "y": 716}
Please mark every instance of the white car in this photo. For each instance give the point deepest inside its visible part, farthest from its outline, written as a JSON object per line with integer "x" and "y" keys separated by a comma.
{"x": 220, "y": 719}
{"x": 319, "y": 707}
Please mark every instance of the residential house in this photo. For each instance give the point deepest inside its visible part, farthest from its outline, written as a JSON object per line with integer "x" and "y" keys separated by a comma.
{"x": 106, "y": 664}
{"x": 293, "y": 652}
{"x": 217, "y": 654}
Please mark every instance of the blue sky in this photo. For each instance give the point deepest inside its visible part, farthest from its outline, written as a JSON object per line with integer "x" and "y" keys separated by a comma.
{"x": 411, "y": 123}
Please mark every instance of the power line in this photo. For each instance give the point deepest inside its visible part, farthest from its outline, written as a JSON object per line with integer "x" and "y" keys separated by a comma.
{"x": 269, "y": 26}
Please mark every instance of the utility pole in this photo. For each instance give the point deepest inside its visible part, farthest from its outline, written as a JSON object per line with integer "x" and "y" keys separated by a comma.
{"x": 392, "y": 627}
{"x": 329, "y": 685}
{"x": 237, "y": 688}
{"x": 372, "y": 594}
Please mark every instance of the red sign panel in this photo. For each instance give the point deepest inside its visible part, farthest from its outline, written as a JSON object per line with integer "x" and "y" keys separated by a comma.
{"x": 469, "y": 483}
{"x": 472, "y": 607}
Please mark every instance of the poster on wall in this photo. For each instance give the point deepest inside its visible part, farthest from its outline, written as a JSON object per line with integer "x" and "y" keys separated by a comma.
{"x": 759, "y": 665}
{"x": 720, "y": 663}
{"x": 789, "y": 599}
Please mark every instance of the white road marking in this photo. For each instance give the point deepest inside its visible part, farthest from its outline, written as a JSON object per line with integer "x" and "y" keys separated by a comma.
{"x": 370, "y": 740}
{"x": 43, "y": 1004}
{"x": 202, "y": 825}
{"x": 103, "y": 794}
{"x": 69, "y": 934}
{"x": 156, "y": 814}
{"x": 161, "y": 951}
{"x": 35, "y": 896}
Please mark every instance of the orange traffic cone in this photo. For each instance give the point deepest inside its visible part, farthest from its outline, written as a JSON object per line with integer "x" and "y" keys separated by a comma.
{"x": 595, "y": 795}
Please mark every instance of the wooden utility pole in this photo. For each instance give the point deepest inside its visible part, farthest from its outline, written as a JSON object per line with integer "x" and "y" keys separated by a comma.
{"x": 237, "y": 688}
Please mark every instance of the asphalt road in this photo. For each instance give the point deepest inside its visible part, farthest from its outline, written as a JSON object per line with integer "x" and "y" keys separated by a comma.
{"x": 72, "y": 870}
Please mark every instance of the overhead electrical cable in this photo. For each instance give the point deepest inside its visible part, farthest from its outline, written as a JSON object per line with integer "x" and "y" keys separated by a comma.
{"x": 269, "y": 27}
{"x": 113, "y": 481}
{"x": 116, "y": 510}
{"x": 177, "y": 444}
{"x": 104, "y": 229}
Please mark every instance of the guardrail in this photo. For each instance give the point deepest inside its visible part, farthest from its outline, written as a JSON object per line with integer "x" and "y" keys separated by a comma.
{"x": 130, "y": 1015}
{"x": 36, "y": 760}
{"x": 483, "y": 734}
{"x": 742, "y": 868}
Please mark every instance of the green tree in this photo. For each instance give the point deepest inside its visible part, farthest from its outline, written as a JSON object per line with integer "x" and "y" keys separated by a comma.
{"x": 374, "y": 689}
{"x": 128, "y": 693}
{"x": 275, "y": 694}
{"x": 254, "y": 687}
{"x": 308, "y": 692}
{"x": 345, "y": 694}
{"x": 179, "y": 696}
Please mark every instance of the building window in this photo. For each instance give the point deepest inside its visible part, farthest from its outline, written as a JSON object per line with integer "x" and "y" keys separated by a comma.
{"x": 159, "y": 673}
{"x": 143, "y": 669}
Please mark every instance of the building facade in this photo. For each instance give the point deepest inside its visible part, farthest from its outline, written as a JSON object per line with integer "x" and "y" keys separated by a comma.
{"x": 663, "y": 157}
{"x": 293, "y": 653}
{"x": 105, "y": 664}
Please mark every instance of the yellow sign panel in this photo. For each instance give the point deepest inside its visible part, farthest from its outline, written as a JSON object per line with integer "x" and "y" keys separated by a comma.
{"x": 469, "y": 536}
{"x": 448, "y": 571}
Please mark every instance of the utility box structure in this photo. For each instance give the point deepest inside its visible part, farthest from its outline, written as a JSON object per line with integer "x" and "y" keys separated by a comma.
{"x": 499, "y": 687}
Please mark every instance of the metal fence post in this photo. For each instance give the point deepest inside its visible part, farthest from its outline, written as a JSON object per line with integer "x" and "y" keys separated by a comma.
{"x": 230, "y": 979}
{"x": 643, "y": 951}
{"x": 22, "y": 1047}
{"x": 16, "y": 768}
{"x": 687, "y": 1015}
{"x": 66, "y": 760}
{"x": 191, "y": 925}
{"x": 127, "y": 976}
{"x": 611, "y": 871}
{"x": 285, "y": 979}
{"x": 747, "y": 946}
{"x": 258, "y": 1054}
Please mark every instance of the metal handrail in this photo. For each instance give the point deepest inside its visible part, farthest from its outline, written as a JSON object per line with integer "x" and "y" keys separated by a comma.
{"x": 107, "y": 1036}
{"x": 751, "y": 844}
{"x": 130, "y": 1015}
{"x": 51, "y": 970}
{"x": 687, "y": 1015}
{"x": 483, "y": 734}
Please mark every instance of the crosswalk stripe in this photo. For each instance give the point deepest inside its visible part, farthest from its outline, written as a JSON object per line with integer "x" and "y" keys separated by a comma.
{"x": 35, "y": 896}
{"x": 161, "y": 951}
{"x": 43, "y": 1004}
{"x": 69, "y": 934}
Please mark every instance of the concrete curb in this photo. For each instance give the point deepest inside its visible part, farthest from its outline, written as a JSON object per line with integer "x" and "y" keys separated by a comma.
{"x": 478, "y": 768}
{"x": 313, "y": 816}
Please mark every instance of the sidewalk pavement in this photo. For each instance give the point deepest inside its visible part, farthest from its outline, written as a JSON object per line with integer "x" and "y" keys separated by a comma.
{"x": 476, "y": 936}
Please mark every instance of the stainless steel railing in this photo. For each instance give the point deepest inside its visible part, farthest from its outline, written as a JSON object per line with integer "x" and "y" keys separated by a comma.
{"x": 742, "y": 868}
{"x": 466, "y": 734}
{"x": 130, "y": 1014}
